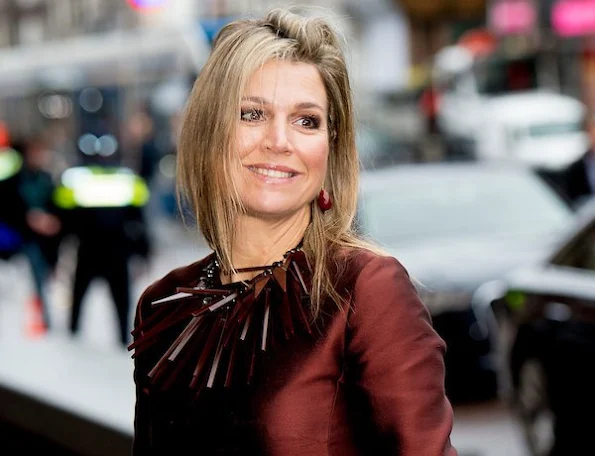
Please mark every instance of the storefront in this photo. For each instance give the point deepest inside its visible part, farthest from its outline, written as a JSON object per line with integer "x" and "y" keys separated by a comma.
{"x": 560, "y": 34}
{"x": 435, "y": 24}
{"x": 515, "y": 21}
{"x": 573, "y": 25}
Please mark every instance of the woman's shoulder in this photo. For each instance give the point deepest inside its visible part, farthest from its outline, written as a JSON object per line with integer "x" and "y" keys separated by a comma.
{"x": 359, "y": 259}
{"x": 381, "y": 283}
{"x": 357, "y": 268}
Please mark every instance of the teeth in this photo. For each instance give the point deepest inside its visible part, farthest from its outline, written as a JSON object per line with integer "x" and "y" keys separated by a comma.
{"x": 271, "y": 172}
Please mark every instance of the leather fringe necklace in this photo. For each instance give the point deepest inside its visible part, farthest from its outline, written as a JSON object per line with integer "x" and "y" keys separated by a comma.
{"x": 220, "y": 324}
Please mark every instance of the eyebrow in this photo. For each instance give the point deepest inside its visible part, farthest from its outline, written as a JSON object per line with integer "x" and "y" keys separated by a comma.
{"x": 303, "y": 105}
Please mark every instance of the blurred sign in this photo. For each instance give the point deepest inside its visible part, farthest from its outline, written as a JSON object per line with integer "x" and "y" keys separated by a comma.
{"x": 147, "y": 4}
{"x": 513, "y": 17}
{"x": 574, "y": 17}
{"x": 429, "y": 10}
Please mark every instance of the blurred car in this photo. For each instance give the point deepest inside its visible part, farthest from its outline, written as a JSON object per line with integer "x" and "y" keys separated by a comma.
{"x": 378, "y": 148}
{"x": 492, "y": 108}
{"x": 455, "y": 226}
{"x": 542, "y": 129}
{"x": 546, "y": 313}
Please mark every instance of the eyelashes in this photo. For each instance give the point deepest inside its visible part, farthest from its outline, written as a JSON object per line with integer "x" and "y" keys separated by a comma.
{"x": 251, "y": 115}
{"x": 309, "y": 122}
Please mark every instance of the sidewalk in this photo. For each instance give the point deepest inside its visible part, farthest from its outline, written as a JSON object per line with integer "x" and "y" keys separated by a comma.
{"x": 84, "y": 380}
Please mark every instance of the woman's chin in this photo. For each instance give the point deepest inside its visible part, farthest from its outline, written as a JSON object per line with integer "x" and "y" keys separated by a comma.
{"x": 276, "y": 211}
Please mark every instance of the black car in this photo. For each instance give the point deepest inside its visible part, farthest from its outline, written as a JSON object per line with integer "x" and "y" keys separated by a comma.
{"x": 455, "y": 226}
{"x": 546, "y": 315}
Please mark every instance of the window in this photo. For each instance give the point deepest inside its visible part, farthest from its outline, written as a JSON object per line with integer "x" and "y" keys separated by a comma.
{"x": 498, "y": 75}
{"x": 580, "y": 253}
{"x": 545, "y": 130}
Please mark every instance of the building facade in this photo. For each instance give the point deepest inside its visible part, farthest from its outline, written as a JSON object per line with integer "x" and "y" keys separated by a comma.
{"x": 434, "y": 24}
{"x": 561, "y": 35}
{"x": 30, "y": 22}
{"x": 81, "y": 67}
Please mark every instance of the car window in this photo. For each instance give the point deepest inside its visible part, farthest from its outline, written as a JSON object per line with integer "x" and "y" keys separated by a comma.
{"x": 434, "y": 205}
{"x": 545, "y": 130}
{"x": 580, "y": 253}
{"x": 496, "y": 75}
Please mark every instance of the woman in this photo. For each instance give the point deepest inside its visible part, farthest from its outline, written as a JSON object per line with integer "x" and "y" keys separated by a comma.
{"x": 327, "y": 349}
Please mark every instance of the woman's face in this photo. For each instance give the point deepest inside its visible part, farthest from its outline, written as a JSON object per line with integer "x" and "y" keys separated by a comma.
{"x": 282, "y": 139}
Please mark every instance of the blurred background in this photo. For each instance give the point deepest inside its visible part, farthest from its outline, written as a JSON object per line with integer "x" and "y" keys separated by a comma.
{"x": 476, "y": 133}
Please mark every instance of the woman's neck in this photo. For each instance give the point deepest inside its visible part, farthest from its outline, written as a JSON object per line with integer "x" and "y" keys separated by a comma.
{"x": 261, "y": 242}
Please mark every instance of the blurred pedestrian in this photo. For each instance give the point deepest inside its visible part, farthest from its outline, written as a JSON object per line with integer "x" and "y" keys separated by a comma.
{"x": 104, "y": 206}
{"x": 43, "y": 226}
{"x": 141, "y": 136}
{"x": 140, "y": 140}
{"x": 12, "y": 207}
{"x": 578, "y": 179}
{"x": 295, "y": 336}
{"x": 429, "y": 105}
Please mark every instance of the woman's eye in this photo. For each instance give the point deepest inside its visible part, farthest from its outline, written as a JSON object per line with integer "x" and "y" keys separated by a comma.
{"x": 251, "y": 115}
{"x": 310, "y": 122}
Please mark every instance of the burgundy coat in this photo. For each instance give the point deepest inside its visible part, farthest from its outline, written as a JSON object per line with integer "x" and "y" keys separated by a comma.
{"x": 369, "y": 381}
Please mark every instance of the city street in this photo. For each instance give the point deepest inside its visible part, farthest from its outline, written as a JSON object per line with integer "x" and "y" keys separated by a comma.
{"x": 480, "y": 430}
{"x": 488, "y": 93}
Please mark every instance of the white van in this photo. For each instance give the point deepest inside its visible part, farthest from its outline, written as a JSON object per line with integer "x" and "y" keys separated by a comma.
{"x": 542, "y": 129}
{"x": 479, "y": 118}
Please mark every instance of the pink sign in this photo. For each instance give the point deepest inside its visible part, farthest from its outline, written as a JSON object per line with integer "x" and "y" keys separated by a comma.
{"x": 513, "y": 17}
{"x": 574, "y": 17}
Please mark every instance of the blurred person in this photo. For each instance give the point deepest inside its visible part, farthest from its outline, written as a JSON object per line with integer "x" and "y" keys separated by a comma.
{"x": 167, "y": 193}
{"x": 294, "y": 336}
{"x": 141, "y": 141}
{"x": 578, "y": 179}
{"x": 140, "y": 131}
{"x": 104, "y": 205}
{"x": 149, "y": 154}
{"x": 429, "y": 104}
{"x": 43, "y": 226}
{"x": 12, "y": 207}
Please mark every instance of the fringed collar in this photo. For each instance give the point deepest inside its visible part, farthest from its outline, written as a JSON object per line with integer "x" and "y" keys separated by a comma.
{"x": 225, "y": 329}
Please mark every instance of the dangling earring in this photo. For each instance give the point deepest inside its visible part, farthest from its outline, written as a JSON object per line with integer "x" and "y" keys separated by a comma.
{"x": 324, "y": 200}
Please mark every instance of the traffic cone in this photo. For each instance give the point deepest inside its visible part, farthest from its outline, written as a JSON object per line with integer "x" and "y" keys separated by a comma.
{"x": 36, "y": 326}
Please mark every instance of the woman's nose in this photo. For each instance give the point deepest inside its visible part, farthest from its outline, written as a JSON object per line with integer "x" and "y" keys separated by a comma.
{"x": 277, "y": 137}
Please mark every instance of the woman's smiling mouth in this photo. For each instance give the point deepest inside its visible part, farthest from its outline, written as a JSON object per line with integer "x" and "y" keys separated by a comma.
{"x": 272, "y": 172}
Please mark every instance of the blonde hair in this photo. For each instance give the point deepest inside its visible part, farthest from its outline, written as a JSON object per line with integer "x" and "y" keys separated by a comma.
{"x": 206, "y": 154}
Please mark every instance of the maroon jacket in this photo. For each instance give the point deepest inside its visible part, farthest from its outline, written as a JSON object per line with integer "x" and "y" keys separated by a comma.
{"x": 369, "y": 381}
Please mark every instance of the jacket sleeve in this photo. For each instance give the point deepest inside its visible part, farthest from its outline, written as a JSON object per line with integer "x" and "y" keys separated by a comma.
{"x": 400, "y": 360}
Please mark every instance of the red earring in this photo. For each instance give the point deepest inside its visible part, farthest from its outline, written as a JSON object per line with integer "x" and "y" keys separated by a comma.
{"x": 324, "y": 200}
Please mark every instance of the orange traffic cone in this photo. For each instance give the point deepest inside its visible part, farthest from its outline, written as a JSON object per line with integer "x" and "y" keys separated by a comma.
{"x": 35, "y": 323}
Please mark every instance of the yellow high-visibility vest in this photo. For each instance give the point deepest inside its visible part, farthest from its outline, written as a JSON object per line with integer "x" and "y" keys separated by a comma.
{"x": 95, "y": 186}
{"x": 10, "y": 163}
